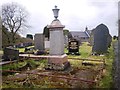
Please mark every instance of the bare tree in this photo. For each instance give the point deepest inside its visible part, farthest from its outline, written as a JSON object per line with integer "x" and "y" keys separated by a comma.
{"x": 14, "y": 18}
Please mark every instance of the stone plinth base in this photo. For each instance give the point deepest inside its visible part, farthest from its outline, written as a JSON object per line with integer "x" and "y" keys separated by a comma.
{"x": 58, "y": 63}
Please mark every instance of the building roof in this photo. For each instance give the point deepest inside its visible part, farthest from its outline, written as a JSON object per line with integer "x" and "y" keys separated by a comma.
{"x": 89, "y": 31}
{"x": 79, "y": 34}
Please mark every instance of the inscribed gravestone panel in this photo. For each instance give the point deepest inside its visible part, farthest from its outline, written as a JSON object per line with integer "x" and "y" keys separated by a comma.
{"x": 73, "y": 46}
{"x": 100, "y": 39}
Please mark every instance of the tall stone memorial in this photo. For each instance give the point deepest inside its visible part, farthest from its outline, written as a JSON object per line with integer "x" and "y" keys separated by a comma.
{"x": 58, "y": 60}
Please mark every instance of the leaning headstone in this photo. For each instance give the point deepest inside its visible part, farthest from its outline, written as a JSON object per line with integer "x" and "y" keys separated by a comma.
{"x": 10, "y": 54}
{"x": 39, "y": 41}
{"x": 73, "y": 47}
{"x": 101, "y": 35}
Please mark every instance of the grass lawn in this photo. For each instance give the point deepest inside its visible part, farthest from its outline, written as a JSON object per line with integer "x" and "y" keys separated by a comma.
{"x": 17, "y": 65}
{"x": 23, "y": 49}
{"x": 85, "y": 52}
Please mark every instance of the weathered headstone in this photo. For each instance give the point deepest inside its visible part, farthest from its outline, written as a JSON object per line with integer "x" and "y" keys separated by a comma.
{"x": 10, "y": 54}
{"x": 100, "y": 36}
{"x": 39, "y": 41}
{"x": 73, "y": 47}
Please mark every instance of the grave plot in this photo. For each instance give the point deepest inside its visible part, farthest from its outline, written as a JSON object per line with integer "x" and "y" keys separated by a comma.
{"x": 88, "y": 75}
{"x": 31, "y": 74}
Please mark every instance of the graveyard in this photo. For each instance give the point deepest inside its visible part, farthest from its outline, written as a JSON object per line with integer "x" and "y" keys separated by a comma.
{"x": 49, "y": 62}
{"x": 31, "y": 73}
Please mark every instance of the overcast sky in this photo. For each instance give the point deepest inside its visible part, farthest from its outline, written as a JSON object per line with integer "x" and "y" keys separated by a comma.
{"x": 74, "y": 14}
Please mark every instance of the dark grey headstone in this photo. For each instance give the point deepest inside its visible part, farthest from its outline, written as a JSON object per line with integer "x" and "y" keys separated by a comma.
{"x": 10, "y": 54}
{"x": 101, "y": 39}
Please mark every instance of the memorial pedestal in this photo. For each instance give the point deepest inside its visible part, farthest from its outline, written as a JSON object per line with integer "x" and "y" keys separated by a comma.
{"x": 58, "y": 62}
